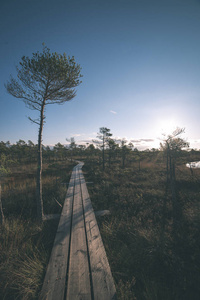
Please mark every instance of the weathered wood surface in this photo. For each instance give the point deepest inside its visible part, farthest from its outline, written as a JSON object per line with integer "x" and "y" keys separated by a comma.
{"x": 102, "y": 281}
{"x": 55, "y": 279}
{"x": 78, "y": 286}
{"x": 78, "y": 268}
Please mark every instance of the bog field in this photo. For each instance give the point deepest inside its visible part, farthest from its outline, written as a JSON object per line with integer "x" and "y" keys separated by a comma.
{"x": 151, "y": 235}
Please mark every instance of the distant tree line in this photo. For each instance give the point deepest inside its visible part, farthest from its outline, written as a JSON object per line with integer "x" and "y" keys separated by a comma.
{"x": 105, "y": 151}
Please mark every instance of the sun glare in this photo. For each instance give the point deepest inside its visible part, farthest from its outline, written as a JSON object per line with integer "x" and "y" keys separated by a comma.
{"x": 166, "y": 126}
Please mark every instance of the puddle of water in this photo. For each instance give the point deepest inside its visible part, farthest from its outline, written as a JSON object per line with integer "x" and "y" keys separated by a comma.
{"x": 193, "y": 165}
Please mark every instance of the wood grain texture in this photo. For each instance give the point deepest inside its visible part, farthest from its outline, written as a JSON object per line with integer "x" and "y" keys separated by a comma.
{"x": 102, "y": 280}
{"x": 55, "y": 278}
{"x": 78, "y": 249}
{"x": 78, "y": 286}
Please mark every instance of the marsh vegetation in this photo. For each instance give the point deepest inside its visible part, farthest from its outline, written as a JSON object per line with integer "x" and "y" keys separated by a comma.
{"x": 153, "y": 246}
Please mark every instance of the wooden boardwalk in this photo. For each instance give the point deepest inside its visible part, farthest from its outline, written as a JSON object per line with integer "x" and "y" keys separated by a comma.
{"x": 78, "y": 268}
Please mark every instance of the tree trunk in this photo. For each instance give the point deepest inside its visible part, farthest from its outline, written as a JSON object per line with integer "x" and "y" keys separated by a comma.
{"x": 39, "y": 200}
{"x": 167, "y": 164}
{"x": 2, "y": 219}
{"x": 175, "y": 210}
{"x": 123, "y": 160}
{"x": 110, "y": 158}
{"x": 103, "y": 153}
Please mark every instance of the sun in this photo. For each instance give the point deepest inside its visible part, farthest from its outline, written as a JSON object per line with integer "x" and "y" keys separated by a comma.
{"x": 166, "y": 126}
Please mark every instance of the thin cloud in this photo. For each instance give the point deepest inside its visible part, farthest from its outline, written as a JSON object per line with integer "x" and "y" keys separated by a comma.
{"x": 77, "y": 134}
{"x": 142, "y": 140}
{"x": 135, "y": 141}
{"x": 113, "y": 112}
{"x": 89, "y": 140}
{"x": 147, "y": 140}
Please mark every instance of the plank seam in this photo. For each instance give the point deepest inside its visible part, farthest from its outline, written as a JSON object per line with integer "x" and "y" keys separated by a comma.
{"x": 67, "y": 272}
{"x": 78, "y": 286}
{"x": 106, "y": 289}
{"x": 88, "y": 255}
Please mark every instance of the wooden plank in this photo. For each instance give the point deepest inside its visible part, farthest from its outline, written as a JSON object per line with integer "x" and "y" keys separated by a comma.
{"x": 102, "y": 280}
{"x": 78, "y": 286}
{"x": 55, "y": 278}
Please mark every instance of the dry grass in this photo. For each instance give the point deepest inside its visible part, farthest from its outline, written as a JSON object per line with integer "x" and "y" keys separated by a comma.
{"x": 149, "y": 259}
{"x": 22, "y": 264}
{"x": 25, "y": 245}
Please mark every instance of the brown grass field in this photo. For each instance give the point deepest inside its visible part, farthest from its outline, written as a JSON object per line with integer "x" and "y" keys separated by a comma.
{"x": 153, "y": 247}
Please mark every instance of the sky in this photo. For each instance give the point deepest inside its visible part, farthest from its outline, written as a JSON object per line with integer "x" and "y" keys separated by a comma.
{"x": 140, "y": 63}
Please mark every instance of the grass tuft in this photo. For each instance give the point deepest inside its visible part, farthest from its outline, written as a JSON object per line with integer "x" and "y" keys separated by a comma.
{"x": 153, "y": 253}
{"x": 25, "y": 245}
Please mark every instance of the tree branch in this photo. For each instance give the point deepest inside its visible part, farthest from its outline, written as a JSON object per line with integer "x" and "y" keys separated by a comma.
{"x": 34, "y": 121}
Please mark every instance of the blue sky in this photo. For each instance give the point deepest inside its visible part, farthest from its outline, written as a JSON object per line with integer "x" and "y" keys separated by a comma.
{"x": 140, "y": 62}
